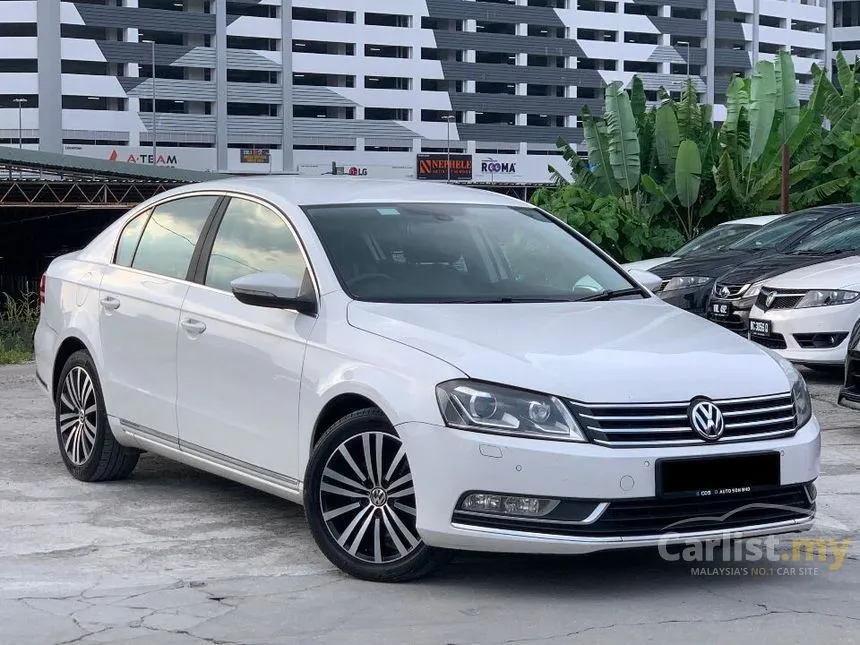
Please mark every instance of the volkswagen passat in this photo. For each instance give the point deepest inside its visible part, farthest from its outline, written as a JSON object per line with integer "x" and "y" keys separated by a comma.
{"x": 425, "y": 367}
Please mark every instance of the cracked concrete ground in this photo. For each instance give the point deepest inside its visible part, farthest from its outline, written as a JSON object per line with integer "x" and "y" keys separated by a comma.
{"x": 177, "y": 556}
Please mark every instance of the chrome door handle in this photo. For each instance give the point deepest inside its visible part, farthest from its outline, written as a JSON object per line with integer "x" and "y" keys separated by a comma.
{"x": 110, "y": 303}
{"x": 193, "y": 326}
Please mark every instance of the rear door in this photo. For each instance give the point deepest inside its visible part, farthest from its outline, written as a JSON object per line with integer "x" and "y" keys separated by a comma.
{"x": 139, "y": 302}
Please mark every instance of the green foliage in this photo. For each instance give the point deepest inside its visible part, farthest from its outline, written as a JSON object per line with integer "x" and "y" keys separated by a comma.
{"x": 657, "y": 176}
{"x": 18, "y": 320}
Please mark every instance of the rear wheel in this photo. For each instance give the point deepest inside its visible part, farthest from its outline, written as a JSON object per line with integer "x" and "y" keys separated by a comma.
{"x": 360, "y": 502}
{"x": 87, "y": 445}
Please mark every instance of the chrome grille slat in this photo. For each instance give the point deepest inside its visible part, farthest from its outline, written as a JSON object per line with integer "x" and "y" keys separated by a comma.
{"x": 775, "y": 408}
{"x": 629, "y": 425}
{"x": 755, "y": 424}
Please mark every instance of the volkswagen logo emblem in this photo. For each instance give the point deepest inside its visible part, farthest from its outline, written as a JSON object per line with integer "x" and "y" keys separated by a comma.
{"x": 769, "y": 298}
{"x": 725, "y": 292}
{"x": 707, "y": 420}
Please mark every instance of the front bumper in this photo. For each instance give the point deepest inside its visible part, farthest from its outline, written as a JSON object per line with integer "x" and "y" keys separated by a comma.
{"x": 849, "y": 393}
{"x": 448, "y": 463}
{"x": 790, "y": 325}
{"x": 737, "y": 320}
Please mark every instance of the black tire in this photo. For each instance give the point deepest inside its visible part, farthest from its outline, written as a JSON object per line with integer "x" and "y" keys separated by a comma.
{"x": 393, "y": 530}
{"x": 88, "y": 448}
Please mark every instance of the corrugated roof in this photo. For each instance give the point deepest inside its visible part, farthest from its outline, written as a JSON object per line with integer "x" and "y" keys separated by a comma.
{"x": 103, "y": 167}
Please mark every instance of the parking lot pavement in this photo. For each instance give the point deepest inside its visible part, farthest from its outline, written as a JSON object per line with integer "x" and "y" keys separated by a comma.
{"x": 176, "y": 556}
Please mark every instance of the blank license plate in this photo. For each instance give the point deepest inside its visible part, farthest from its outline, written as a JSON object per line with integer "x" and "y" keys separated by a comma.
{"x": 760, "y": 327}
{"x": 717, "y": 476}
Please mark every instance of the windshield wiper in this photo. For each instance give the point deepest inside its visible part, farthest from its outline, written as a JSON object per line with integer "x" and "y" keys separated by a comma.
{"x": 811, "y": 252}
{"x": 610, "y": 294}
{"x": 510, "y": 300}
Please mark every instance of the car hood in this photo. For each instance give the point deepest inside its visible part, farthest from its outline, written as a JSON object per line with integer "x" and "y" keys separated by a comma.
{"x": 773, "y": 264}
{"x": 647, "y": 265}
{"x": 707, "y": 266}
{"x": 835, "y": 274}
{"x": 617, "y": 351}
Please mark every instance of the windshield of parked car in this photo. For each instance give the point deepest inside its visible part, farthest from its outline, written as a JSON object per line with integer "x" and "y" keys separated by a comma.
{"x": 460, "y": 253}
{"x": 770, "y": 235}
{"x": 838, "y": 236}
{"x": 715, "y": 239}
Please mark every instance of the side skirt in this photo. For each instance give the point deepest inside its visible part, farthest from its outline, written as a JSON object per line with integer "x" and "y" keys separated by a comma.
{"x": 209, "y": 460}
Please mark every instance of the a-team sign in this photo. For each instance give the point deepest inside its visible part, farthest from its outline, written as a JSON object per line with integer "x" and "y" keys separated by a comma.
{"x": 161, "y": 160}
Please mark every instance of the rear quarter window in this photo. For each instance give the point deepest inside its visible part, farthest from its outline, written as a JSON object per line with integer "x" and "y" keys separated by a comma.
{"x": 129, "y": 238}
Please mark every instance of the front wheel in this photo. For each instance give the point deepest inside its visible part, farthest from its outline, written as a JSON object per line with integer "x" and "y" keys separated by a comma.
{"x": 360, "y": 502}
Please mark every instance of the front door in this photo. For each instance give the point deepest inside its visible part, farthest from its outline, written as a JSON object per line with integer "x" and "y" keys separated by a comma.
{"x": 240, "y": 366}
{"x": 139, "y": 302}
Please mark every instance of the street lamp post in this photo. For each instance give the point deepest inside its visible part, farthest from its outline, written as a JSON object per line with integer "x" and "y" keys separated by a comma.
{"x": 20, "y": 103}
{"x": 154, "y": 127}
{"x": 687, "y": 43}
{"x": 448, "y": 118}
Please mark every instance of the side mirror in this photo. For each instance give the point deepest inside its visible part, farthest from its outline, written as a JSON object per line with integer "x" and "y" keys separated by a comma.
{"x": 650, "y": 281}
{"x": 274, "y": 290}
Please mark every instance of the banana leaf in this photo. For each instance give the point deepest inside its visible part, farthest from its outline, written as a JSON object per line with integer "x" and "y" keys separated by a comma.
{"x": 598, "y": 154}
{"x": 847, "y": 83}
{"x": 726, "y": 178}
{"x": 688, "y": 173}
{"x": 821, "y": 193}
{"x": 737, "y": 98}
{"x": 689, "y": 115}
{"x": 637, "y": 101}
{"x": 762, "y": 108}
{"x": 787, "y": 103}
{"x": 667, "y": 137}
{"x": 622, "y": 136}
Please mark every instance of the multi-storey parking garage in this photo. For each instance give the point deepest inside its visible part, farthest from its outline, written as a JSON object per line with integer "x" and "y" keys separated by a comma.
{"x": 364, "y": 86}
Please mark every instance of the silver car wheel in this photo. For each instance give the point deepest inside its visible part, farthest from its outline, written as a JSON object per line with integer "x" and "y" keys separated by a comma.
{"x": 368, "y": 500}
{"x": 78, "y": 416}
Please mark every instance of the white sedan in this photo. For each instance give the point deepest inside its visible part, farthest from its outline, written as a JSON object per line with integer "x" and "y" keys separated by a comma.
{"x": 710, "y": 241}
{"x": 424, "y": 367}
{"x": 806, "y": 315}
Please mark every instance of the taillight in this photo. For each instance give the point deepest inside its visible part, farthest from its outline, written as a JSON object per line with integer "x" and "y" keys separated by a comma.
{"x": 42, "y": 289}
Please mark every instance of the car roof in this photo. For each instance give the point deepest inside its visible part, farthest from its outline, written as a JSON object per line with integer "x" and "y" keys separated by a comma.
{"x": 308, "y": 191}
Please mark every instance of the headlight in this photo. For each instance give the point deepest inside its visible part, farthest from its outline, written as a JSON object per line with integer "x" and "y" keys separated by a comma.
{"x": 685, "y": 283}
{"x": 471, "y": 405}
{"x": 749, "y": 296}
{"x": 825, "y": 297}
{"x": 799, "y": 391}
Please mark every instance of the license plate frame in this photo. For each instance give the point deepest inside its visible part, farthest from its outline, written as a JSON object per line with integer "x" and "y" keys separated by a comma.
{"x": 760, "y": 328}
{"x": 721, "y": 309}
{"x": 717, "y": 476}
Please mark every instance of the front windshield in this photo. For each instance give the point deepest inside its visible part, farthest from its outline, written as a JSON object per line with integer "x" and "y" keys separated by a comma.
{"x": 458, "y": 253}
{"x": 770, "y": 235}
{"x": 839, "y": 236}
{"x": 715, "y": 239}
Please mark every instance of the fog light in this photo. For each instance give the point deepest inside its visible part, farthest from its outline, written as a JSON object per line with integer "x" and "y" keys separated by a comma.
{"x": 508, "y": 504}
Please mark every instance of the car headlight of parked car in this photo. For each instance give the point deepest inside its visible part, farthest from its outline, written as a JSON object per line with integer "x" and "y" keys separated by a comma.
{"x": 482, "y": 407}
{"x": 749, "y": 296}
{"x": 825, "y": 297}
{"x": 686, "y": 282}
{"x": 799, "y": 391}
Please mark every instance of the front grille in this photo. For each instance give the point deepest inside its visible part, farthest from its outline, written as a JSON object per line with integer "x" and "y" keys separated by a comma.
{"x": 654, "y": 515}
{"x": 728, "y": 291}
{"x": 782, "y": 300}
{"x": 774, "y": 341}
{"x": 659, "y": 424}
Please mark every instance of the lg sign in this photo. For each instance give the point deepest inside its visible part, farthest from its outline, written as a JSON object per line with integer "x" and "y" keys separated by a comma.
{"x": 494, "y": 167}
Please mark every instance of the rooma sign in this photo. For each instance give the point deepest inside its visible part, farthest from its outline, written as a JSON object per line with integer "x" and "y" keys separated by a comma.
{"x": 492, "y": 166}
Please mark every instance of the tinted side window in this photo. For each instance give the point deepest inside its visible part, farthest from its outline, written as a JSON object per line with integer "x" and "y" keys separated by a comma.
{"x": 171, "y": 234}
{"x": 250, "y": 239}
{"x": 128, "y": 239}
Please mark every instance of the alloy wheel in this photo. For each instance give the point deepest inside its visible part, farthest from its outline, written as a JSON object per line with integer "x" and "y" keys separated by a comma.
{"x": 368, "y": 500}
{"x": 78, "y": 414}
